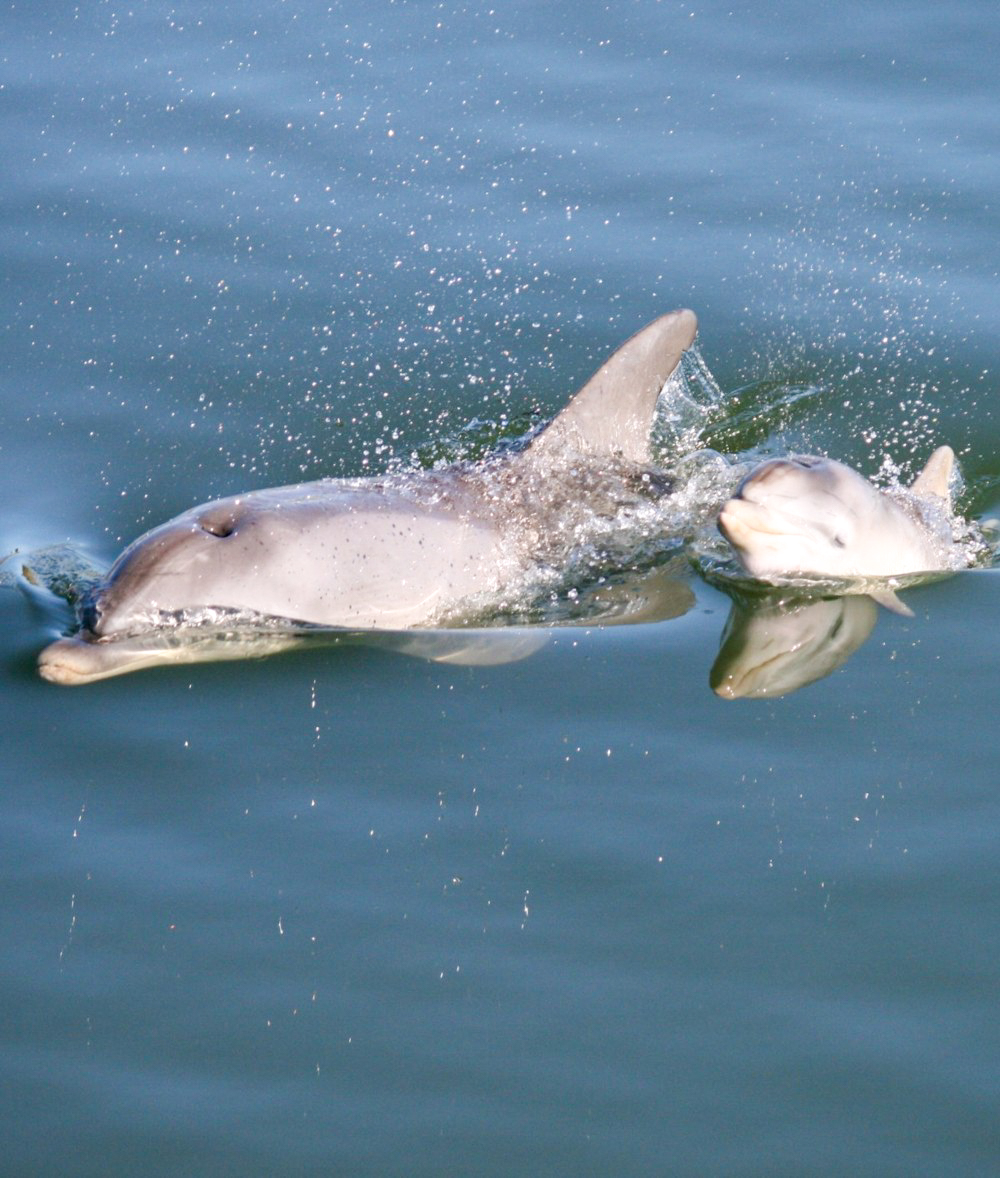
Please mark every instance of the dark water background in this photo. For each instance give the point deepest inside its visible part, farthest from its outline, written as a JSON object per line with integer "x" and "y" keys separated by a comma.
{"x": 350, "y": 913}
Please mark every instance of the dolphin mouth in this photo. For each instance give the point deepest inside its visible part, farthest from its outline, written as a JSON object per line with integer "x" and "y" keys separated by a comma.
{"x": 93, "y": 611}
{"x": 90, "y": 612}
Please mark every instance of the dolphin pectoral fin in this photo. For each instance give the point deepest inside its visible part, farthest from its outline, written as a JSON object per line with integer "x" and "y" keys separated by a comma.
{"x": 935, "y": 478}
{"x": 463, "y": 648}
{"x": 888, "y": 600}
{"x": 613, "y": 412}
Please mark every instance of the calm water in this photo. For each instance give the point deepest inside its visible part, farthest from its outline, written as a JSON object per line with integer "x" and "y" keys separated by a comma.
{"x": 346, "y": 912}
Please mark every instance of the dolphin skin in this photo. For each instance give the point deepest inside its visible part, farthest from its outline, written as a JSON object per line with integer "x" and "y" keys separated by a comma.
{"x": 393, "y": 552}
{"x": 814, "y": 518}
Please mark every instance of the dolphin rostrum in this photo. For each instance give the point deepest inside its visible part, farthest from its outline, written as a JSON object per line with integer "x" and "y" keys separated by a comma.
{"x": 815, "y": 519}
{"x": 392, "y": 552}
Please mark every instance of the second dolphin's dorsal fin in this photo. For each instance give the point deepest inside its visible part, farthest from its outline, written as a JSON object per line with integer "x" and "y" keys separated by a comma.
{"x": 935, "y": 478}
{"x": 613, "y": 413}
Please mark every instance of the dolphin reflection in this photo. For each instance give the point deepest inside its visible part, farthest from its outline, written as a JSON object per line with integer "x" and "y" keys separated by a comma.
{"x": 772, "y": 646}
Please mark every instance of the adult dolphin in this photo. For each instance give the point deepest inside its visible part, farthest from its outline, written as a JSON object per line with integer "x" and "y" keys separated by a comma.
{"x": 391, "y": 552}
{"x": 812, "y": 518}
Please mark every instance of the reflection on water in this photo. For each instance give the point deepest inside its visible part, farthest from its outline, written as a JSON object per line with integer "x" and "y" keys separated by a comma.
{"x": 772, "y": 645}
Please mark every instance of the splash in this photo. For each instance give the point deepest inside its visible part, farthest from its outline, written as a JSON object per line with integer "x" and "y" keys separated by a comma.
{"x": 690, "y": 402}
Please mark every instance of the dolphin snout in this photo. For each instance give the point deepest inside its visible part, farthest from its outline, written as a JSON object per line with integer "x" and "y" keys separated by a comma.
{"x": 740, "y": 519}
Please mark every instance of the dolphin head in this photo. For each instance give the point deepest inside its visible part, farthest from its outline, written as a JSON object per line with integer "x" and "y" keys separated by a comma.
{"x": 242, "y": 554}
{"x": 802, "y": 514}
{"x": 158, "y": 574}
{"x": 813, "y": 517}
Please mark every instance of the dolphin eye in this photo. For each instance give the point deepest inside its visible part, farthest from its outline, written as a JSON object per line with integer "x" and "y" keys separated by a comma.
{"x": 839, "y": 542}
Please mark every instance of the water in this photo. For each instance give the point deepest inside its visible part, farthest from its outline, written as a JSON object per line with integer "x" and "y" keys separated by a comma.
{"x": 344, "y": 911}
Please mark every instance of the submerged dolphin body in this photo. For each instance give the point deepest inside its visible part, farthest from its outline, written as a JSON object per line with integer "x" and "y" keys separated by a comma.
{"x": 391, "y": 552}
{"x": 813, "y": 518}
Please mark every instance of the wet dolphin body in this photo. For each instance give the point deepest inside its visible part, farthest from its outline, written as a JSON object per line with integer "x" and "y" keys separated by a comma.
{"x": 391, "y": 552}
{"x": 813, "y": 518}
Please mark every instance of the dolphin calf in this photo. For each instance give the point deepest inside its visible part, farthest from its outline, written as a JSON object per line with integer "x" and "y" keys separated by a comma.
{"x": 812, "y": 518}
{"x": 393, "y": 552}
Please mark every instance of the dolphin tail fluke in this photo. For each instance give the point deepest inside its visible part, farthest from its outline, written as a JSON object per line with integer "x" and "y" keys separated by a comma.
{"x": 613, "y": 413}
{"x": 935, "y": 478}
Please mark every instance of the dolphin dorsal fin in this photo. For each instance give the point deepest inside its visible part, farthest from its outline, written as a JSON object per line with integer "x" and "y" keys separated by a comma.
{"x": 935, "y": 478}
{"x": 613, "y": 412}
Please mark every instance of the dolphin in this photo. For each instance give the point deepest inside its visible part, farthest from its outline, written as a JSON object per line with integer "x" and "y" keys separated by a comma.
{"x": 810, "y": 518}
{"x": 391, "y": 552}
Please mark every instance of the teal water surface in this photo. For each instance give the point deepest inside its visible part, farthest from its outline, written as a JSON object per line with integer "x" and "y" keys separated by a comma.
{"x": 348, "y": 912}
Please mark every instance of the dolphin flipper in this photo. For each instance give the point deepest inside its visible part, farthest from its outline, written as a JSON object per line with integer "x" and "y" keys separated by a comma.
{"x": 888, "y": 599}
{"x": 612, "y": 414}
